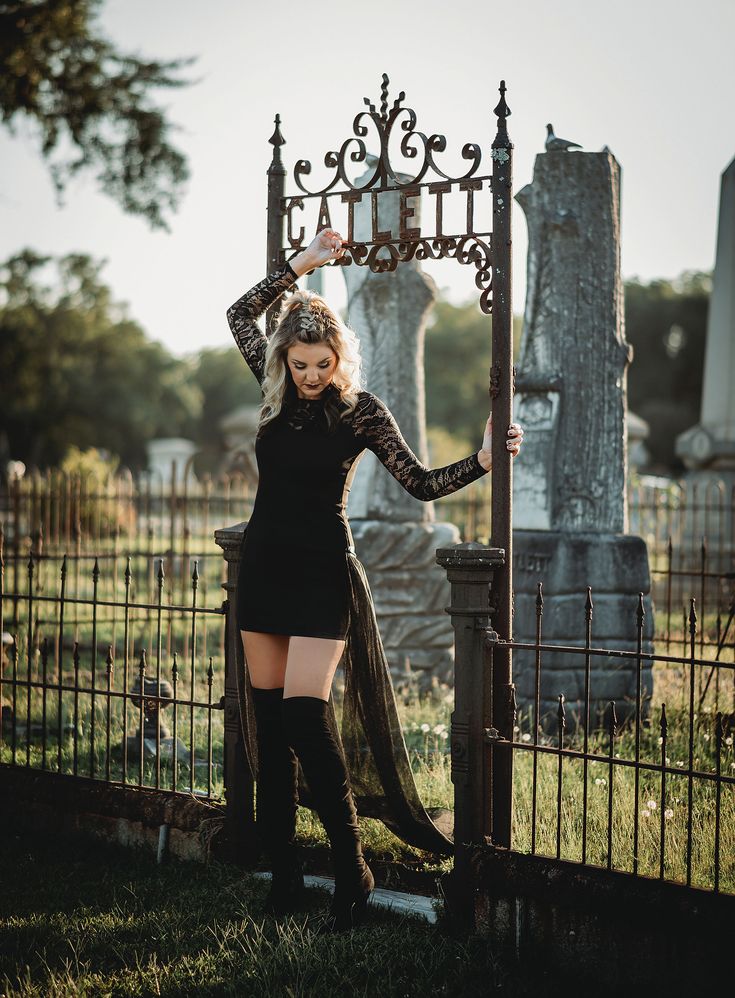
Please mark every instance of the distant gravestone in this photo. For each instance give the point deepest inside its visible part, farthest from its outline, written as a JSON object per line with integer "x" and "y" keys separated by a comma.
{"x": 569, "y": 497}
{"x": 168, "y": 457}
{"x": 710, "y": 445}
{"x": 395, "y": 535}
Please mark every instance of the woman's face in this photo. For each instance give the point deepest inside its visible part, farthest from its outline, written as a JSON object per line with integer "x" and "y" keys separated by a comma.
{"x": 312, "y": 367}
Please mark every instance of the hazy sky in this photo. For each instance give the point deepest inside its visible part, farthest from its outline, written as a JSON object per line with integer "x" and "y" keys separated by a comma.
{"x": 652, "y": 79}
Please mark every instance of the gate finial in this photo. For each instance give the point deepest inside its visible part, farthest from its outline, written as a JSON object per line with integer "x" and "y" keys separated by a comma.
{"x": 502, "y": 111}
{"x": 277, "y": 140}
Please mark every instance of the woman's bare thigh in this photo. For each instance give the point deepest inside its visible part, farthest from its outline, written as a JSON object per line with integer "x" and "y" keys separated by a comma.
{"x": 311, "y": 665}
{"x": 266, "y": 656}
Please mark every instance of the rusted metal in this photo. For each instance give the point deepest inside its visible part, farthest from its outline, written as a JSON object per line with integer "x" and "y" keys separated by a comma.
{"x": 588, "y": 610}
{"x": 276, "y": 212}
{"x": 385, "y": 250}
{"x": 640, "y": 616}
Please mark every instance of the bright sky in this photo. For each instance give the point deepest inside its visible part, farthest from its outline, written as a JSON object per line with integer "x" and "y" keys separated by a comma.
{"x": 652, "y": 79}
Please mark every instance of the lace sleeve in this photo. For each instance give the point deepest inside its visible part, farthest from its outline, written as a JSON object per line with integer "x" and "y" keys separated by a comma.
{"x": 241, "y": 316}
{"x": 376, "y": 429}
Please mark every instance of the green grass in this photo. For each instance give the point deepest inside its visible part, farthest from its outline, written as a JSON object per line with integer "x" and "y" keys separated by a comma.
{"x": 90, "y": 919}
{"x": 426, "y": 720}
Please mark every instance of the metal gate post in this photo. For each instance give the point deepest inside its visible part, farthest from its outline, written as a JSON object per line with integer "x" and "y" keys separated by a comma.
{"x": 238, "y": 776}
{"x": 276, "y": 188}
{"x": 502, "y": 377}
{"x": 470, "y": 568}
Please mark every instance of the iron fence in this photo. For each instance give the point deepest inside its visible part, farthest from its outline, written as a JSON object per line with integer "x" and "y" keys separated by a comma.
{"x": 645, "y": 786}
{"x": 78, "y": 704}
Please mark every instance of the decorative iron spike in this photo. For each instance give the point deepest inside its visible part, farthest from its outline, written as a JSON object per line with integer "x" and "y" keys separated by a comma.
{"x": 96, "y": 572}
{"x": 110, "y": 661}
{"x": 397, "y": 102}
{"x": 669, "y": 548}
{"x": 276, "y": 139}
{"x": 384, "y": 97}
{"x": 664, "y": 724}
{"x": 588, "y": 604}
{"x": 75, "y": 655}
{"x": 640, "y": 612}
{"x": 502, "y": 110}
{"x": 703, "y": 548}
{"x": 175, "y": 667}
{"x": 142, "y": 663}
{"x": 210, "y": 672}
{"x": 613, "y": 719}
{"x": 561, "y": 713}
{"x": 128, "y": 573}
{"x": 44, "y": 650}
{"x": 513, "y": 709}
{"x": 161, "y": 575}
{"x": 195, "y": 573}
{"x": 31, "y": 563}
{"x": 692, "y": 617}
{"x": 539, "y": 598}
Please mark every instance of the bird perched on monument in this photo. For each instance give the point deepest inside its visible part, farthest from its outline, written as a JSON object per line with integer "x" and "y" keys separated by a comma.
{"x": 555, "y": 144}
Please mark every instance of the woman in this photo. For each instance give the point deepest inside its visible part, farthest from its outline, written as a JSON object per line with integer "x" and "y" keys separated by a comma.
{"x": 294, "y": 587}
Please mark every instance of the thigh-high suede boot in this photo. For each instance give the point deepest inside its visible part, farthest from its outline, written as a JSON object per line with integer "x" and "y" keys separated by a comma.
{"x": 277, "y": 802}
{"x": 323, "y": 763}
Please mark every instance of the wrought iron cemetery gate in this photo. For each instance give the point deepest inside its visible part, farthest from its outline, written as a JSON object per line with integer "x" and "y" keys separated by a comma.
{"x": 488, "y": 250}
{"x": 486, "y": 732}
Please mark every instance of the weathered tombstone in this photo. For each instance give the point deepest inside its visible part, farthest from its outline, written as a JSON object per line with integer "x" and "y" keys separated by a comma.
{"x": 395, "y": 535}
{"x": 239, "y": 428}
{"x": 708, "y": 449}
{"x": 166, "y": 454}
{"x": 569, "y": 496}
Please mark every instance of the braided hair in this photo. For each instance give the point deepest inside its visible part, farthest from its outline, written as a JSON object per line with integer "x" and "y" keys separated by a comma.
{"x": 305, "y": 317}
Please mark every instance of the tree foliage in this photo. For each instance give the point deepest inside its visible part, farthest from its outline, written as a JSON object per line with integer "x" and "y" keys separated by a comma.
{"x": 75, "y": 369}
{"x": 666, "y": 323}
{"x": 78, "y": 89}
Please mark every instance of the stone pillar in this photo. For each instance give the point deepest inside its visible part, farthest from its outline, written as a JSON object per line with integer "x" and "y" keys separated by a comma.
{"x": 708, "y": 449}
{"x": 470, "y": 568}
{"x": 395, "y": 535}
{"x": 711, "y": 444}
{"x": 239, "y": 719}
{"x": 569, "y": 497}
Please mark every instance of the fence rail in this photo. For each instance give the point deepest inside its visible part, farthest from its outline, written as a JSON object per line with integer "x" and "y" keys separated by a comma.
{"x": 71, "y": 701}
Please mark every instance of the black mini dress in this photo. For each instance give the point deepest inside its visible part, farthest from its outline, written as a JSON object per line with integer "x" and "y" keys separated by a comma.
{"x": 293, "y": 577}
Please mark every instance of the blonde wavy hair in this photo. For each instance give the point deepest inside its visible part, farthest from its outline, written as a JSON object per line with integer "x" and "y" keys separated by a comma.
{"x": 305, "y": 317}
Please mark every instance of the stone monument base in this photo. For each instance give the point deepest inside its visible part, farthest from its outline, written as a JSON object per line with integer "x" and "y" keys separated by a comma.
{"x": 616, "y": 568}
{"x": 411, "y": 593}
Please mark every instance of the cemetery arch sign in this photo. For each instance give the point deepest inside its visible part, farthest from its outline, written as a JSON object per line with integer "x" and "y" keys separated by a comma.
{"x": 488, "y": 250}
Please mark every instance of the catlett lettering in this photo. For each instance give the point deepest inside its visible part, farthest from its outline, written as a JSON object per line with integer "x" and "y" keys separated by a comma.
{"x": 294, "y": 241}
{"x": 406, "y": 211}
{"x": 378, "y": 237}
{"x": 351, "y": 198}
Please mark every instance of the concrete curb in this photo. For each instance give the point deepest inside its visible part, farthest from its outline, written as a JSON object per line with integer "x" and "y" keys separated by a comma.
{"x": 396, "y": 901}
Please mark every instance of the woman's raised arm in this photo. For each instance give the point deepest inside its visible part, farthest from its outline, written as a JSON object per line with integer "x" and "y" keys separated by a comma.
{"x": 242, "y": 316}
{"x": 375, "y": 426}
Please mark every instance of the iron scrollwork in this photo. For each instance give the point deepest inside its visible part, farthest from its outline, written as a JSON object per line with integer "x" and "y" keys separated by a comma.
{"x": 385, "y": 251}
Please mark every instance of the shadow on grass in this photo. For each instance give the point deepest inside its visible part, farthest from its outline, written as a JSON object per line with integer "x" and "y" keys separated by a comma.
{"x": 88, "y": 918}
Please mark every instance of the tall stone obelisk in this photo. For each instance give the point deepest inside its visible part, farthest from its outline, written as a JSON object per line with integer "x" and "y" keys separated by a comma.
{"x": 709, "y": 447}
{"x": 395, "y": 535}
{"x": 569, "y": 501}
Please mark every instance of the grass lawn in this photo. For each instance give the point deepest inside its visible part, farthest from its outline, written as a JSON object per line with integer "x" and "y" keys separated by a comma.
{"x": 84, "y": 918}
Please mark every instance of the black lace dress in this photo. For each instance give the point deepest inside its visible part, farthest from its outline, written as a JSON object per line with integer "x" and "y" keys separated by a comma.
{"x": 299, "y": 574}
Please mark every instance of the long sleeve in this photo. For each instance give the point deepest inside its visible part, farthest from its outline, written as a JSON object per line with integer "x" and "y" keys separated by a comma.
{"x": 242, "y": 316}
{"x": 376, "y": 429}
